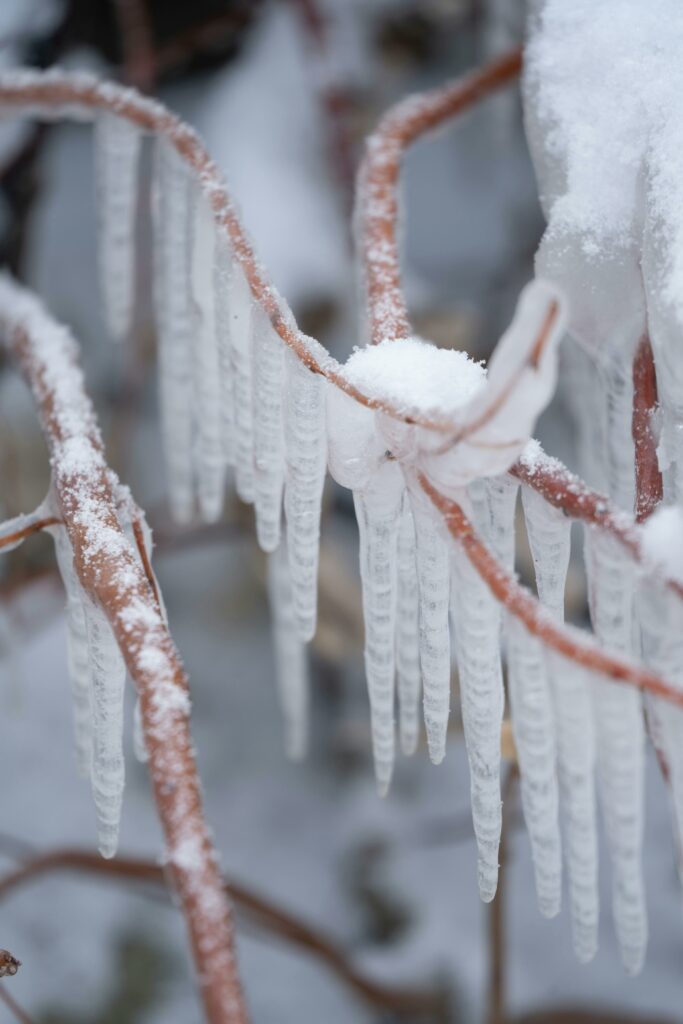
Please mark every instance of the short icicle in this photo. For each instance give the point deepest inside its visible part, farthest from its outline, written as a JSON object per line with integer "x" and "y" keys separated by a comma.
{"x": 207, "y": 381}
{"x": 117, "y": 158}
{"x": 291, "y": 667}
{"x": 306, "y": 461}
{"x": 108, "y": 772}
{"x": 172, "y": 239}
{"x": 378, "y": 511}
{"x": 80, "y": 674}
{"x": 407, "y": 635}
{"x": 269, "y": 443}
{"x": 621, "y": 742}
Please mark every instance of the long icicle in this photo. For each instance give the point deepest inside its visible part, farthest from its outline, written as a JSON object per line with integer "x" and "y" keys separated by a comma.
{"x": 408, "y": 676}
{"x": 207, "y": 382}
{"x": 172, "y": 238}
{"x": 378, "y": 511}
{"x": 621, "y": 743}
{"x": 117, "y": 157}
{"x": 306, "y": 455}
{"x": 269, "y": 442}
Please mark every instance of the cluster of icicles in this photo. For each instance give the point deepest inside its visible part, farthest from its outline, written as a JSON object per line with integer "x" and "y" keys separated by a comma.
{"x": 234, "y": 395}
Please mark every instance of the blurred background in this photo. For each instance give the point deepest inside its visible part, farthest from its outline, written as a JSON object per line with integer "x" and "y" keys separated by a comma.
{"x": 371, "y": 908}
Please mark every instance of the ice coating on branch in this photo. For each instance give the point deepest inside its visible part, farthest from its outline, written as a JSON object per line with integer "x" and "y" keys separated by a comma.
{"x": 291, "y": 667}
{"x": 493, "y": 428}
{"x": 355, "y": 447}
{"x": 502, "y": 501}
{"x": 306, "y": 455}
{"x": 205, "y": 362}
{"x": 433, "y": 586}
{"x": 378, "y": 511}
{"x": 117, "y": 156}
{"x": 269, "y": 441}
{"x": 548, "y": 531}
{"x": 241, "y": 354}
{"x": 575, "y": 737}
{"x": 78, "y": 655}
{"x": 620, "y": 736}
{"x": 477, "y": 621}
{"x": 172, "y": 238}
{"x": 408, "y": 677}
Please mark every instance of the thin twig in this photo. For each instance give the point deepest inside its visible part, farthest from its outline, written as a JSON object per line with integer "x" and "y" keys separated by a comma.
{"x": 263, "y": 912}
{"x": 13, "y": 1006}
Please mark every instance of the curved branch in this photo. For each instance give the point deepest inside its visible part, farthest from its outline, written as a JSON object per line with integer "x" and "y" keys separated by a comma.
{"x": 264, "y": 913}
{"x": 571, "y": 643}
{"x": 110, "y": 572}
{"x": 14, "y": 531}
{"x": 377, "y": 190}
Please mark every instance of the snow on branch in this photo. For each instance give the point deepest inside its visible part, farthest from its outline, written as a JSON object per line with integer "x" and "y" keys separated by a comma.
{"x": 115, "y": 583}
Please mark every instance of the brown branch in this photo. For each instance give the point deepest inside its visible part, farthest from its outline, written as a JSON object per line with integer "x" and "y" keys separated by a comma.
{"x": 263, "y": 912}
{"x": 571, "y": 643}
{"x": 649, "y": 489}
{"x": 137, "y": 45}
{"x": 109, "y": 570}
{"x": 378, "y": 185}
{"x": 13, "y": 1006}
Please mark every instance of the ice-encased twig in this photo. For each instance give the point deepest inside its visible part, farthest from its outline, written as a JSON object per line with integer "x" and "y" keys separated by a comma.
{"x": 207, "y": 381}
{"x": 291, "y": 667}
{"x": 408, "y": 676}
{"x": 269, "y": 444}
{"x": 172, "y": 237}
{"x": 620, "y": 736}
{"x": 117, "y": 156}
{"x": 306, "y": 455}
{"x": 378, "y": 511}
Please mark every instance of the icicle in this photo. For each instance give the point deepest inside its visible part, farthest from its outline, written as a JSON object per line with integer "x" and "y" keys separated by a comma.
{"x": 533, "y": 729}
{"x": 174, "y": 319}
{"x": 502, "y": 499}
{"x": 660, "y": 615}
{"x": 269, "y": 445}
{"x": 207, "y": 381}
{"x": 290, "y": 656}
{"x": 575, "y": 737}
{"x": 108, "y": 678}
{"x": 222, "y": 284}
{"x": 481, "y": 693}
{"x": 306, "y": 450}
{"x": 378, "y": 511}
{"x": 241, "y": 305}
{"x": 117, "y": 156}
{"x": 620, "y": 735}
{"x": 77, "y": 651}
{"x": 548, "y": 531}
{"x": 407, "y": 634}
{"x": 434, "y": 582}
